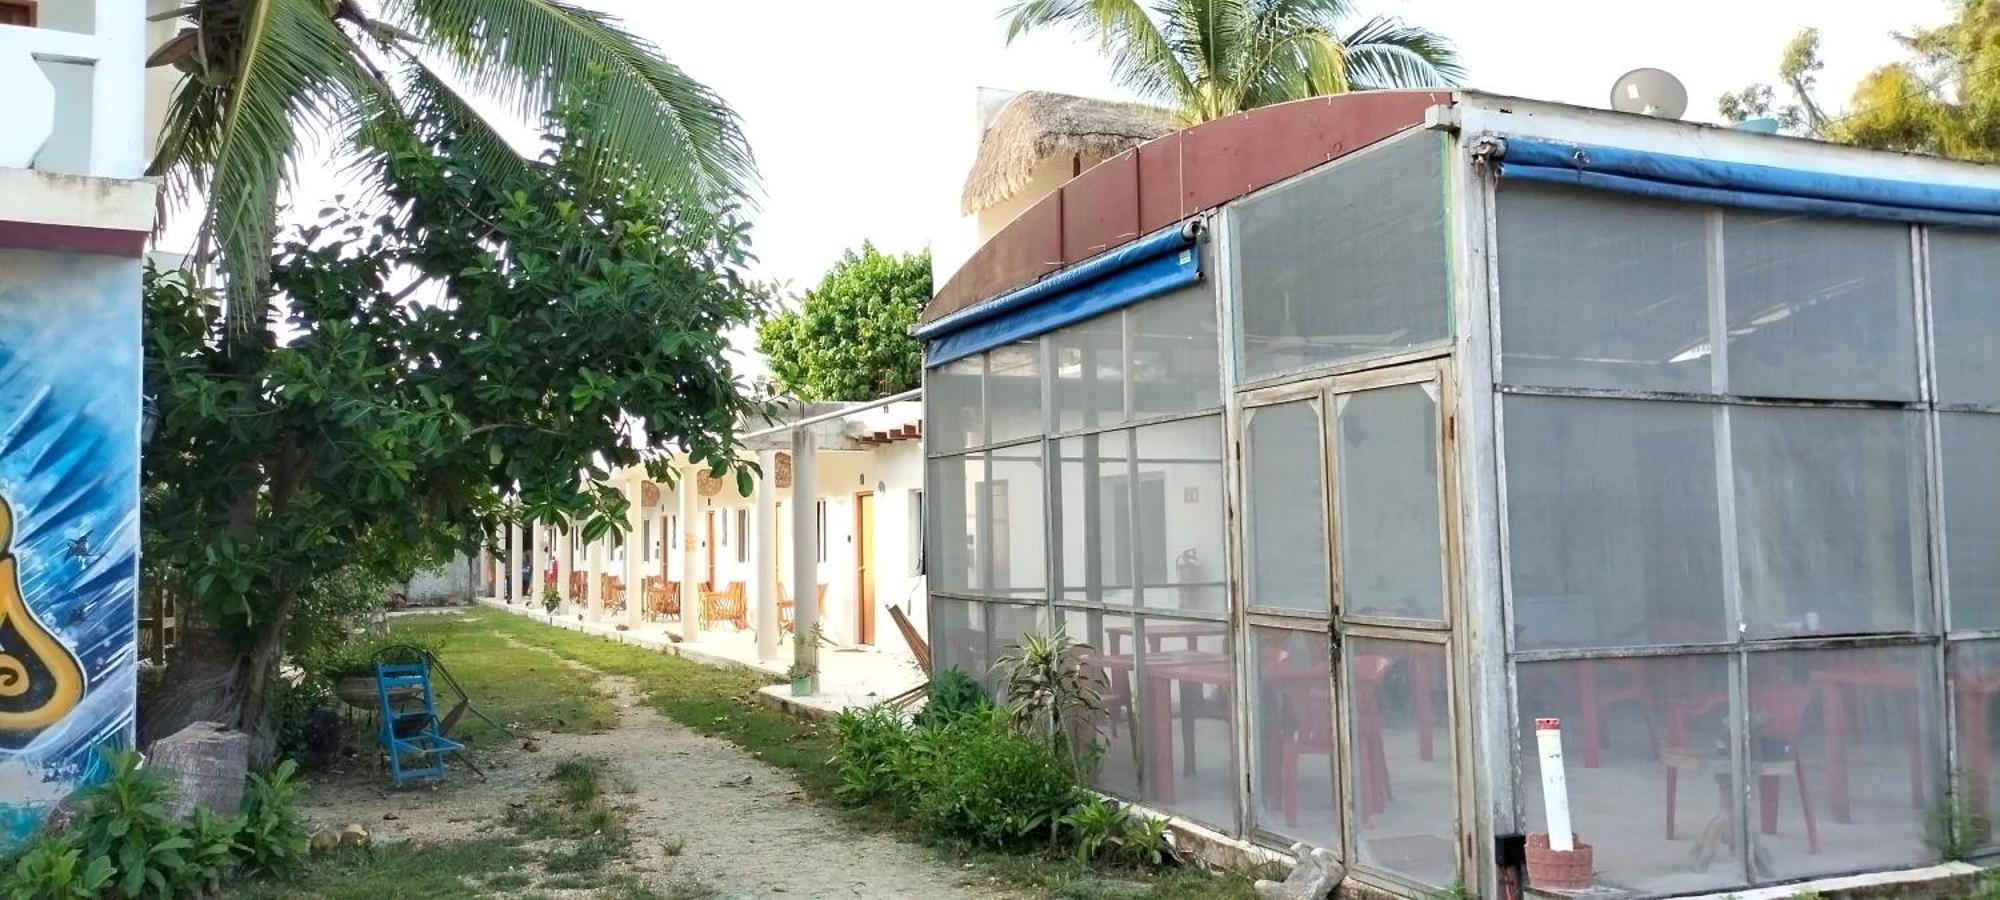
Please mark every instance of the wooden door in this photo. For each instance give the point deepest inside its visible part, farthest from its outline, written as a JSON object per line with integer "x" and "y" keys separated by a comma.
{"x": 864, "y": 567}
{"x": 17, "y": 12}
{"x": 708, "y": 554}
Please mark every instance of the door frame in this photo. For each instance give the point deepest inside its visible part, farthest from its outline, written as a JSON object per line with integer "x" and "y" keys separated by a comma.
{"x": 708, "y": 552}
{"x": 1324, "y": 393}
{"x": 864, "y": 567}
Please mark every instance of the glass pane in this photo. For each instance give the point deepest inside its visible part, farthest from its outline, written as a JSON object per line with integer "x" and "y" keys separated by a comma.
{"x": 953, "y": 525}
{"x": 1829, "y": 506}
{"x": 1291, "y": 680}
{"x": 1819, "y": 308}
{"x": 958, "y": 637}
{"x": 953, "y": 410}
{"x": 1014, "y": 523}
{"x": 1003, "y": 636}
{"x": 1190, "y": 737}
{"x": 1094, "y": 532}
{"x": 1089, "y": 373}
{"x": 1965, "y": 308}
{"x": 1113, "y": 658}
{"x": 1971, "y": 497}
{"x": 1285, "y": 518}
{"x": 1613, "y": 528}
{"x": 1602, "y": 290}
{"x": 1869, "y": 759}
{"x": 1975, "y": 684}
{"x": 1180, "y": 517}
{"x": 1391, "y": 544}
{"x": 1344, "y": 263}
{"x": 1176, "y": 361}
{"x": 1014, "y": 390}
{"x": 1646, "y": 757}
{"x": 1399, "y": 735}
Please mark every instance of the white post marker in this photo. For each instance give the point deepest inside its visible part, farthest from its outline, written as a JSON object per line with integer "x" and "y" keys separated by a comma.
{"x": 1555, "y": 790}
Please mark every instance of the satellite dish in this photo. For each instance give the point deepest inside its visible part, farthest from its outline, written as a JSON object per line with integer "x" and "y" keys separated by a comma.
{"x": 1650, "y": 92}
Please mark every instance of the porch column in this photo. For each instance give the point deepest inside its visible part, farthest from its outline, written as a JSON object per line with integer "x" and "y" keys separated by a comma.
{"x": 635, "y": 551}
{"x": 566, "y": 563}
{"x": 594, "y": 582}
{"x": 690, "y": 584}
{"x": 539, "y": 536}
{"x": 764, "y": 555}
{"x": 512, "y": 582}
{"x": 805, "y": 555}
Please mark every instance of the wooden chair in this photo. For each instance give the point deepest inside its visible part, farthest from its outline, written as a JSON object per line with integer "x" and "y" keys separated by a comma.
{"x": 1779, "y": 711}
{"x": 579, "y": 587}
{"x": 663, "y": 597}
{"x": 725, "y": 606}
{"x": 614, "y": 594}
{"x": 787, "y": 620}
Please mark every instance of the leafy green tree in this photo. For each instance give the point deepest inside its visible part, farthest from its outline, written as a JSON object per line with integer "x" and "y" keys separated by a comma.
{"x": 261, "y": 72}
{"x": 849, "y": 338}
{"x": 1209, "y": 59}
{"x": 1944, "y": 99}
{"x": 1798, "y": 71}
{"x": 578, "y": 330}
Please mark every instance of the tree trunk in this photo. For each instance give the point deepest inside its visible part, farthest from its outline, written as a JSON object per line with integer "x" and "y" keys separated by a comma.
{"x": 211, "y": 678}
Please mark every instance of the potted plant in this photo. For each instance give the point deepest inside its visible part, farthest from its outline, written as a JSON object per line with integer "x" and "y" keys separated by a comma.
{"x": 801, "y": 676}
{"x": 550, "y": 600}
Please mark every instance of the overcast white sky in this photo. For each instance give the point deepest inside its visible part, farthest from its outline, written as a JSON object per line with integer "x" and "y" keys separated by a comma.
{"x": 861, "y": 114}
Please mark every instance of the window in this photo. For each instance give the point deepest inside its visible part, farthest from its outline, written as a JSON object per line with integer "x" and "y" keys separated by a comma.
{"x": 1285, "y": 530}
{"x": 955, "y": 406}
{"x": 1346, "y": 262}
{"x": 674, "y": 532}
{"x": 1603, "y": 291}
{"x": 916, "y": 532}
{"x": 1392, "y": 539}
{"x": 819, "y": 527}
{"x": 1014, "y": 390}
{"x": 742, "y": 535}
{"x": 648, "y": 550}
{"x": 17, "y": 12}
{"x": 1965, "y": 265}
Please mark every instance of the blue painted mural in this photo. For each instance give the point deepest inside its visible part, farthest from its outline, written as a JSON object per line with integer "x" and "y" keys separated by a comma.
{"x": 69, "y": 523}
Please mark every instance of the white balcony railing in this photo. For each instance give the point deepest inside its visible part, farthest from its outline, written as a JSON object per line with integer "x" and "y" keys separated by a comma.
{"x": 90, "y": 117}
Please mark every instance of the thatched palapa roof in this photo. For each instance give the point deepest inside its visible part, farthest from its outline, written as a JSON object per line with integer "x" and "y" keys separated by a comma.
{"x": 1039, "y": 125}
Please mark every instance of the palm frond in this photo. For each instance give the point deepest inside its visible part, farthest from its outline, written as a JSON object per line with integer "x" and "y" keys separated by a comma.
{"x": 1142, "y": 58}
{"x": 1386, "y": 53}
{"x": 234, "y": 138}
{"x": 523, "y": 52}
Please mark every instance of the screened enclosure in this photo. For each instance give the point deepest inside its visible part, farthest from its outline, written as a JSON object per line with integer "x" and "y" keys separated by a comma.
{"x": 1690, "y": 447}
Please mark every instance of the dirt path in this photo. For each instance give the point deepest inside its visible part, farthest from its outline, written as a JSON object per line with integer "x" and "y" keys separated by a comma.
{"x": 701, "y": 811}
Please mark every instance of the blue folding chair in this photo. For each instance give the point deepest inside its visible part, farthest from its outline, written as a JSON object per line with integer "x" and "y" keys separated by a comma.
{"x": 410, "y": 730}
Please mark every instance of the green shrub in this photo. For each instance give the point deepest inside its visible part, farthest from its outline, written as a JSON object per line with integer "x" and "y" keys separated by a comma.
{"x": 123, "y": 819}
{"x": 273, "y": 839}
{"x": 1097, "y": 827}
{"x": 213, "y": 849}
{"x": 53, "y": 866}
{"x": 357, "y": 659}
{"x": 868, "y": 743}
{"x": 995, "y": 785}
{"x": 1146, "y": 842}
{"x": 1051, "y": 694}
{"x": 952, "y": 694}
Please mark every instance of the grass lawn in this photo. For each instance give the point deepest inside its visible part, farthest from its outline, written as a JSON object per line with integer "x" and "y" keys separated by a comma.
{"x": 510, "y": 684}
{"x": 722, "y": 703}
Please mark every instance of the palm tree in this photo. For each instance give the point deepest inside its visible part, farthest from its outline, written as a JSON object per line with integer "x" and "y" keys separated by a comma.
{"x": 262, "y": 72}
{"x": 1212, "y": 58}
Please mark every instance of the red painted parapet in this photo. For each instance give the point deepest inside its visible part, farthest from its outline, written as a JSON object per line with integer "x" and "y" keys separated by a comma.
{"x": 1169, "y": 179}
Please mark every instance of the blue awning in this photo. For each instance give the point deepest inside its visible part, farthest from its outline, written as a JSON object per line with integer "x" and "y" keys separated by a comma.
{"x": 1149, "y": 267}
{"x": 1668, "y": 177}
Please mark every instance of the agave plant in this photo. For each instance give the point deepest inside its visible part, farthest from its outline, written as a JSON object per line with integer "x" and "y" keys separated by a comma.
{"x": 263, "y": 73}
{"x": 1051, "y": 693}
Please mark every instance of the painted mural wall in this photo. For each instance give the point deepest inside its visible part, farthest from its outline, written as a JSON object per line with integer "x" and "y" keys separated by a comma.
{"x": 69, "y": 523}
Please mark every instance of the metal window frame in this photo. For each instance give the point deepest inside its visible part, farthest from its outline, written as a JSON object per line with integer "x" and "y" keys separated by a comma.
{"x": 1930, "y": 541}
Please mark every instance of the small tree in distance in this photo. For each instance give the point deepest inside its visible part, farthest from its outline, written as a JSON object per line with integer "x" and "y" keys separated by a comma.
{"x": 849, "y": 338}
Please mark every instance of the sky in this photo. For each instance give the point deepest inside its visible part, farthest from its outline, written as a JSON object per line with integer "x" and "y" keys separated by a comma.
{"x": 862, "y": 114}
